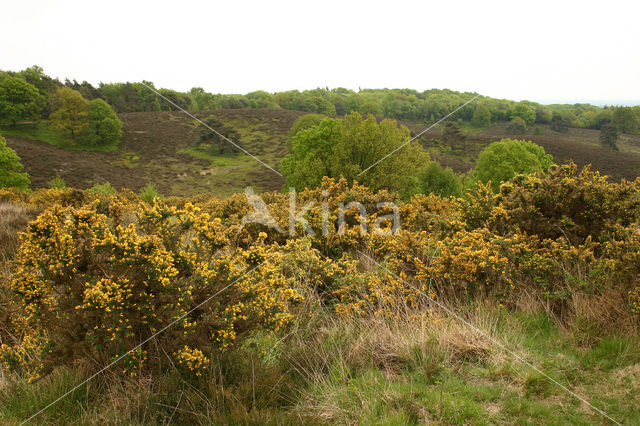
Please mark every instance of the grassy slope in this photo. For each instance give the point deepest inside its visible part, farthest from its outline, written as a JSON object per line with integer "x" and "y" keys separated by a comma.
{"x": 42, "y": 132}
{"x": 366, "y": 372}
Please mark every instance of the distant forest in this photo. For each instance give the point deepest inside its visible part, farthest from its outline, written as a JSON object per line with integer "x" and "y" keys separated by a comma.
{"x": 401, "y": 104}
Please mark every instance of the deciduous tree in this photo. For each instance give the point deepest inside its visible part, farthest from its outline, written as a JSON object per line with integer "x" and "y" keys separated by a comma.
{"x": 19, "y": 100}
{"x": 500, "y": 161}
{"x": 608, "y": 136}
{"x": 481, "y": 116}
{"x": 346, "y": 147}
{"x": 11, "y": 174}
{"x": 72, "y": 112}
{"x": 104, "y": 126}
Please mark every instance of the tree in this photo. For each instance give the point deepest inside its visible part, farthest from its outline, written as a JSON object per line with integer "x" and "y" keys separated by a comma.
{"x": 218, "y": 140}
{"x": 500, "y": 161}
{"x": 543, "y": 115}
{"x": 560, "y": 122}
{"x": 19, "y": 100}
{"x": 305, "y": 122}
{"x": 443, "y": 182}
{"x": 11, "y": 174}
{"x": 517, "y": 126}
{"x": 104, "y": 126}
{"x": 625, "y": 119}
{"x": 481, "y": 116}
{"x": 451, "y": 133}
{"x": 609, "y": 136}
{"x": 346, "y": 147}
{"x": 523, "y": 111}
{"x": 370, "y": 107}
{"x": 72, "y": 112}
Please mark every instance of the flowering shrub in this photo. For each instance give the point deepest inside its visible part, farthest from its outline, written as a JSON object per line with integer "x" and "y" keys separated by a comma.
{"x": 96, "y": 274}
{"x": 96, "y": 283}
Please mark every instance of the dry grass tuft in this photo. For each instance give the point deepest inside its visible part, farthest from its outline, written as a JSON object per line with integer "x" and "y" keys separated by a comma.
{"x": 13, "y": 219}
{"x": 464, "y": 344}
{"x": 595, "y": 315}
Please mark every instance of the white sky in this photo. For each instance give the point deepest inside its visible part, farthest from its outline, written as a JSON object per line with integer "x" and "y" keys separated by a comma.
{"x": 537, "y": 50}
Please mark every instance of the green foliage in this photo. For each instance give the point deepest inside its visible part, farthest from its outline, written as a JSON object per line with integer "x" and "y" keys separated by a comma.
{"x": 543, "y": 115}
{"x": 346, "y": 147}
{"x": 451, "y": 133}
{"x": 11, "y": 175}
{"x": 149, "y": 193}
{"x": 104, "y": 126}
{"x": 560, "y": 122}
{"x": 130, "y": 97}
{"x": 501, "y": 161}
{"x": 103, "y": 188}
{"x": 625, "y": 119}
{"x": 217, "y": 140}
{"x": 19, "y": 100}
{"x": 443, "y": 182}
{"x": 537, "y": 131}
{"x": 517, "y": 126}
{"x": 57, "y": 183}
{"x": 481, "y": 116}
{"x": 370, "y": 107}
{"x": 304, "y": 122}
{"x": 72, "y": 112}
{"x": 524, "y": 111}
{"x": 608, "y": 136}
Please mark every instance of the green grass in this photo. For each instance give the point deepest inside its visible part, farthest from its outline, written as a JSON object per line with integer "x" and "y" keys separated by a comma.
{"x": 332, "y": 372}
{"x": 43, "y": 132}
{"x": 219, "y": 160}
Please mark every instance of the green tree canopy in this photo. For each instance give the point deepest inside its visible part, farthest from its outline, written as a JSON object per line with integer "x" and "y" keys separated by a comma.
{"x": 560, "y": 122}
{"x": 443, "y": 182}
{"x": 348, "y": 146}
{"x": 72, "y": 112}
{"x": 11, "y": 174}
{"x": 104, "y": 126}
{"x": 608, "y": 136}
{"x": 502, "y": 160}
{"x": 304, "y": 122}
{"x": 625, "y": 119}
{"x": 523, "y": 111}
{"x": 19, "y": 100}
{"x": 517, "y": 126}
{"x": 481, "y": 116}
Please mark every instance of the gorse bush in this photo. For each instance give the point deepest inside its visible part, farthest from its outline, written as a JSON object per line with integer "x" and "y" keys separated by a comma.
{"x": 98, "y": 273}
{"x": 94, "y": 282}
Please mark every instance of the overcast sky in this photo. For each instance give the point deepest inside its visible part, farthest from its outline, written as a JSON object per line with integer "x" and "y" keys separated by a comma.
{"x": 537, "y": 50}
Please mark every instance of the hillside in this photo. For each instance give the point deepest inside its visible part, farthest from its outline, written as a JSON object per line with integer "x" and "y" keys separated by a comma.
{"x": 159, "y": 148}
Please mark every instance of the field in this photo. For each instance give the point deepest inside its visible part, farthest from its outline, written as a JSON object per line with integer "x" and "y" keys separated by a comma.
{"x": 159, "y": 148}
{"x": 521, "y": 307}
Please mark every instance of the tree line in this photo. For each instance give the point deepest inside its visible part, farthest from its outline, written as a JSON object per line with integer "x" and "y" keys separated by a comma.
{"x": 401, "y": 104}
{"x": 31, "y": 95}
